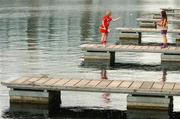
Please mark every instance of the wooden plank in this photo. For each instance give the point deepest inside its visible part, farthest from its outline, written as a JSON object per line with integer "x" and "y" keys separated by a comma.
{"x": 172, "y": 48}
{"x": 99, "y": 45}
{"x": 61, "y": 82}
{"x": 152, "y": 48}
{"x": 138, "y": 48}
{"x": 168, "y": 86}
{"x": 144, "y": 48}
{"x": 72, "y": 82}
{"x": 146, "y": 85}
{"x": 178, "y": 49}
{"x": 157, "y": 48}
{"x": 156, "y": 20}
{"x": 131, "y": 47}
{"x": 20, "y": 80}
{"x": 123, "y": 29}
{"x": 167, "y": 48}
{"x": 91, "y": 45}
{"x": 177, "y": 86}
{"x": 41, "y": 81}
{"x": 157, "y": 86}
{"x": 94, "y": 46}
{"x": 103, "y": 84}
{"x": 114, "y": 84}
{"x": 84, "y": 45}
{"x": 82, "y": 83}
{"x": 134, "y": 48}
{"x": 124, "y": 46}
{"x": 111, "y": 46}
{"x": 136, "y": 85}
{"x": 32, "y": 81}
{"x": 170, "y": 9}
{"x": 51, "y": 81}
{"x": 125, "y": 84}
{"x": 93, "y": 83}
{"x": 118, "y": 46}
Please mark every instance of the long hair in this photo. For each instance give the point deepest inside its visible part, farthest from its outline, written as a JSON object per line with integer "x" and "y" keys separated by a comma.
{"x": 108, "y": 13}
{"x": 163, "y": 14}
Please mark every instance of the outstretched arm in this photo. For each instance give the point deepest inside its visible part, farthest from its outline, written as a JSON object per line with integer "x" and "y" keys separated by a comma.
{"x": 116, "y": 19}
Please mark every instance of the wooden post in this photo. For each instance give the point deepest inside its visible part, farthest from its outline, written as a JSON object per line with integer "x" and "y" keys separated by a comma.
{"x": 171, "y": 104}
{"x": 112, "y": 58}
{"x": 140, "y": 37}
{"x": 54, "y": 102}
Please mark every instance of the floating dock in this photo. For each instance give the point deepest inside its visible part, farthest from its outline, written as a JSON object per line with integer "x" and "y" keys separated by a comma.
{"x": 134, "y": 35}
{"x": 44, "y": 90}
{"x": 130, "y": 48}
{"x": 109, "y": 86}
{"x": 157, "y": 20}
{"x": 99, "y": 53}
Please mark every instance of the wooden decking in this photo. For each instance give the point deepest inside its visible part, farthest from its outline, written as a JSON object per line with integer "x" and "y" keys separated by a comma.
{"x": 111, "y": 86}
{"x": 123, "y": 29}
{"x": 170, "y": 9}
{"x": 130, "y": 48}
{"x": 157, "y": 20}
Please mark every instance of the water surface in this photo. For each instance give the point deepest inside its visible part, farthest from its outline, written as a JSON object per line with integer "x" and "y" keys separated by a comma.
{"x": 43, "y": 37}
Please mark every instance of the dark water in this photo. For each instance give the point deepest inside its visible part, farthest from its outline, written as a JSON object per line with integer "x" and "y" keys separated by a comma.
{"x": 43, "y": 37}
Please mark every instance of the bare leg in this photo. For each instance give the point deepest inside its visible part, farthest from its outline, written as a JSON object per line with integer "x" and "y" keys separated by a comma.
{"x": 102, "y": 38}
{"x": 164, "y": 41}
{"x": 105, "y": 39}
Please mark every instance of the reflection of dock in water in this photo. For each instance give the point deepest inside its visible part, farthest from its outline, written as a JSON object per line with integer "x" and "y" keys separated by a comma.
{"x": 105, "y": 96}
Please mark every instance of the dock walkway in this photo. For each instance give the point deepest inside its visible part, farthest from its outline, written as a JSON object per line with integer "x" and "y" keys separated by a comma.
{"x": 134, "y": 35}
{"x": 130, "y": 48}
{"x": 157, "y": 20}
{"x": 47, "y": 91}
{"x": 110, "y": 86}
{"x": 98, "y": 53}
{"x": 123, "y": 29}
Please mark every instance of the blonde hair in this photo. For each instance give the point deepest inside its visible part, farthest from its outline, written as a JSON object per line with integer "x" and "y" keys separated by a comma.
{"x": 109, "y": 13}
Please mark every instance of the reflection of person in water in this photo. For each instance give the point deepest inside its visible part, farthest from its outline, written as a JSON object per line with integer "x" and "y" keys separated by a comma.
{"x": 103, "y": 74}
{"x": 164, "y": 75}
{"x": 105, "y": 95}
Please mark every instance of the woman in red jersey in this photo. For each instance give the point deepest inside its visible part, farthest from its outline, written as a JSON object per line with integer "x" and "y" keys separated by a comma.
{"x": 104, "y": 28}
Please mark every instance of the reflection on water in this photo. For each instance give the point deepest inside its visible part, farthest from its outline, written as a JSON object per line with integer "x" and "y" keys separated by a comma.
{"x": 164, "y": 75}
{"x": 41, "y": 112}
{"x": 43, "y": 37}
{"x": 106, "y": 96}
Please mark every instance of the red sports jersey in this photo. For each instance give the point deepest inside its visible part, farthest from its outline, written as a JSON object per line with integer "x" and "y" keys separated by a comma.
{"x": 105, "y": 24}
